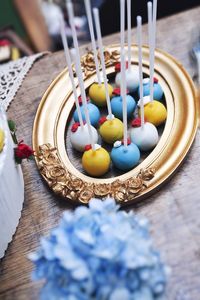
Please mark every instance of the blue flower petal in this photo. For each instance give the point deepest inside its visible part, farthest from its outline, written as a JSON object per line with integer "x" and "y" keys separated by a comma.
{"x": 119, "y": 294}
{"x": 100, "y": 253}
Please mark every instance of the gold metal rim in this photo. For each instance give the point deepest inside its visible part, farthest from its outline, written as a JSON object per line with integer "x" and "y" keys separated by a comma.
{"x": 180, "y": 129}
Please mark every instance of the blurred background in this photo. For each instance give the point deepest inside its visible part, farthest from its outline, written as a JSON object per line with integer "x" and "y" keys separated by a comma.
{"x": 31, "y": 26}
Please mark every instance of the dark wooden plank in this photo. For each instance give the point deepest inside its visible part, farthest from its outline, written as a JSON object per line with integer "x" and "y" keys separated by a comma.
{"x": 173, "y": 211}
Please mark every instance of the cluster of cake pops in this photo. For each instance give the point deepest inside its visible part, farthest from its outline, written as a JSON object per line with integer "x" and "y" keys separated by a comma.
{"x": 146, "y": 114}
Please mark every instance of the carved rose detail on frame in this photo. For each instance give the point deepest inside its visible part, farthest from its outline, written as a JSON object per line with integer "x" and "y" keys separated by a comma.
{"x": 102, "y": 190}
{"x": 75, "y": 184}
{"x": 57, "y": 172}
{"x": 88, "y": 60}
{"x": 88, "y": 64}
{"x": 87, "y": 193}
{"x": 69, "y": 186}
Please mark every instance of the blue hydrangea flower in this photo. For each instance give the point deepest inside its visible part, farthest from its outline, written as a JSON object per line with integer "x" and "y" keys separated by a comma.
{"x": 101, "y": 253}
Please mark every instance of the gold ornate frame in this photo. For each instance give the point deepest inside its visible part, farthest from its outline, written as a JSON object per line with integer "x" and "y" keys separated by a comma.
{"x": 179, "y": 132}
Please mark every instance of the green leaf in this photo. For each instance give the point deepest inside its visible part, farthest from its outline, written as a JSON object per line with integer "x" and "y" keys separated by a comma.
{"x": 31, "y": 157}
{"x": 18, "y": 160}
{"x": 12, "y": 125}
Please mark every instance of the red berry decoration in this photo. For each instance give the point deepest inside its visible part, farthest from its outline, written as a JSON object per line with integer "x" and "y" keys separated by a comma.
{"x": 81, "y": 101}
{"x": 75, "y": 126}
{"x": 88, "y": 147}
{"x": 102, "y": 120}
{"x": 136, "y": 122}
{"x": 118, "y": 66}
{"x": 117, "y": 91}
{"x": 128, "y": 141}
{"x": 155, "y": 80}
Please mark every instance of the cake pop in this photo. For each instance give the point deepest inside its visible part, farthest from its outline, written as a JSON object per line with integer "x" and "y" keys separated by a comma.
{"x": 155, "y": 113}
{"x": 93, "y": 110}
{"x": 146, "y": 137}
{"x": 96, "y": 162}
{"x": 111, "y": 128}
{"x": 79, "y": 136}
{"x": 143, "y": 134}
{"x": 117, "y": 105}
{"x": 131, "y": 75}
{"x": 101, "y": 155}
{"x": 97, "y": 93}
{"x": 125, "y": 157}
{"x": 2, "y": 138}
{"x": 96, "y": 159}
{"x": 157, "y": 89}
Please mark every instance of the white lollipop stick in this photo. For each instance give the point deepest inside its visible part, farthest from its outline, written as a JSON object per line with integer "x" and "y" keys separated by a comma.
{"x": 83, "y": 95}
{"x": 154, "y": 20}
{"x": 122, "y": 23}
{"x": 73, "y": 28}
{"x": 89, "y": 17}
{"x": 139, "y": 38}
{"x": 151, "y": 48}
{"x": 99, "y": 38}
{"x": 123, "y": 95}
{"x": 69, "y": 64}
{"x": 129, "y": 33}
{"x": 154, "y": 34}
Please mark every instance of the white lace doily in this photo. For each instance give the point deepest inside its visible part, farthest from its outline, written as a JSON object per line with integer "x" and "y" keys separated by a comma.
{"x": 12, "y": 75}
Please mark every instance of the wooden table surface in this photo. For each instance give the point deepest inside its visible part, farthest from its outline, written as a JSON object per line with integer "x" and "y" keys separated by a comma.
{"x": 173, "y": 211}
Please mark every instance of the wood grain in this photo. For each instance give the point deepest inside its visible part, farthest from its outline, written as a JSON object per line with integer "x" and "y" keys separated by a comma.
{"x": 173, "y": 211}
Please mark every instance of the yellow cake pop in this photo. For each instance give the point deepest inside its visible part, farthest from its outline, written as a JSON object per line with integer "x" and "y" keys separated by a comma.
{"x": 155, "y": 112}
{"x": 111, "y": 130}
{"x": 2, "y": 138}
{"x": 96, "y": 162}
{"x": 98, "y": 95}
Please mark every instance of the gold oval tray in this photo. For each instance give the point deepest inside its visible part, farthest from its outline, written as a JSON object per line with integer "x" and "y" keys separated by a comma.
{"x": 55, "y": 109}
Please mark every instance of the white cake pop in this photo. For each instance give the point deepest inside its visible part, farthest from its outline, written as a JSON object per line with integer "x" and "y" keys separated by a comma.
{"x": 132, "y": 73}
{"x": 144, "y": 134}
{"x": 132, "y": 77}
{"x": 79, "y": 136}
{"x": 146, "y": 137}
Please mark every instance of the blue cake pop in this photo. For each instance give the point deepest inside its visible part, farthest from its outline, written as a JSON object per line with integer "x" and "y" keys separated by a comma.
{"x": 125, "y": 158}
{"x": 157, "y": 89}
{"x": 117, "y": 104}
{"x": 93, "y": 110}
